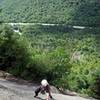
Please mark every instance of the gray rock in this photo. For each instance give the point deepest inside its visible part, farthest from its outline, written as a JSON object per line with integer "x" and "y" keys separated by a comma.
{"x": 13, "y": 91}
{"x": 54, "y": 89}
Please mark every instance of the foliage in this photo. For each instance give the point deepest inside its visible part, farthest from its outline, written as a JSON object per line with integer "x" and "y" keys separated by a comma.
{"x": 14, "y": 51}
{"x": 67, "y": 58}
{"x": 96, "y": 85}
{"x": 76, "y": 12}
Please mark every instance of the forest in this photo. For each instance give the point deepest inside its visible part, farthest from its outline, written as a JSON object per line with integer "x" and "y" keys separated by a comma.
{"x": 73, "y": 12}
{"x": 68, "y": 58}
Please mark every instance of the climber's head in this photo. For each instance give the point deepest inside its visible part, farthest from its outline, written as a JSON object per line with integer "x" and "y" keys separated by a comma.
{"x": 44, "y": 82}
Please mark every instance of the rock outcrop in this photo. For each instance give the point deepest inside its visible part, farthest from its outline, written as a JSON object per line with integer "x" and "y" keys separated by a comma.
{"x": 13, "y": 91}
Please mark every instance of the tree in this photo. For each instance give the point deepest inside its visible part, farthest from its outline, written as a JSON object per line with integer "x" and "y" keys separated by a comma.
{"x": 14, "y": 51}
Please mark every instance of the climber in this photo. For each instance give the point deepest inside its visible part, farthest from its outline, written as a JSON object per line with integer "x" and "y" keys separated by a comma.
{"x": 44, "y": 88}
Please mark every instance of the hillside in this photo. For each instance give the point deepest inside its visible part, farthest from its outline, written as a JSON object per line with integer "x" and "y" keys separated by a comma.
{"x": 76, "y": 12}
{"x": 68, "y": 58}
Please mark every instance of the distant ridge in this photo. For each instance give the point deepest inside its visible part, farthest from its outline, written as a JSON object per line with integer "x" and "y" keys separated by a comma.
{"x": 74, "y": 12}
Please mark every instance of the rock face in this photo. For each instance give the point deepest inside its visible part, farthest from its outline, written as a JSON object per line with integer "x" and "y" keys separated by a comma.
{"x": 68, "y": 92}
{"x": 13, "y": 91}
{"x": 5, "y": 74}
{"x": 54, "y": 89}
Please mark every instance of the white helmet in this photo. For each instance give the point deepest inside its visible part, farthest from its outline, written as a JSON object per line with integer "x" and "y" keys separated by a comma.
{"x": 44, "y": 82}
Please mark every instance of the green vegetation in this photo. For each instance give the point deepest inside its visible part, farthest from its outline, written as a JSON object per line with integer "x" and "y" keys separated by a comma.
{"x": 74, "y": 12}
{"x": 67, "y": 58}
{"x": 14, "y": 53}
{"x": 74, "y": 56}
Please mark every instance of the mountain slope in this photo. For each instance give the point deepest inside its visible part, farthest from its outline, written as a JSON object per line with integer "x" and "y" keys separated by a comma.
{"x": 77, "y": 12}
{"x": 15, "y": 91}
